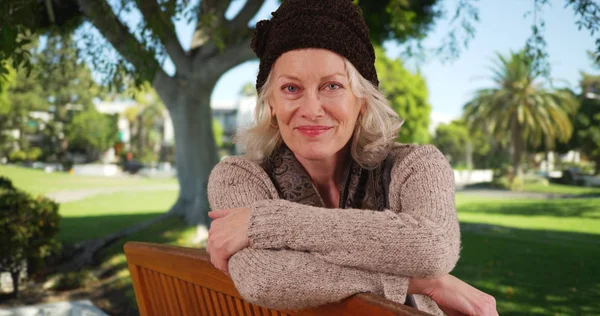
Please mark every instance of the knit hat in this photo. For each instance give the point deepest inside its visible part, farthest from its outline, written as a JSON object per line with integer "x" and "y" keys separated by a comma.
{"x": 336, "y": 25}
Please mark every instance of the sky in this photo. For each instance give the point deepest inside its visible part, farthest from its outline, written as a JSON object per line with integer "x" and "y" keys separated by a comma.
{"x": 502, "y": 27}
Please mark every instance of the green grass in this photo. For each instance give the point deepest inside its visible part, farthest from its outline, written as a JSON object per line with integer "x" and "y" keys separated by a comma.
{"x": 39, "y": 182}
{"x": 536, "y": 257}
{"x": 103, "y": 214}
{"x": 561, "y": 189}
{"x": 567, "y": 215}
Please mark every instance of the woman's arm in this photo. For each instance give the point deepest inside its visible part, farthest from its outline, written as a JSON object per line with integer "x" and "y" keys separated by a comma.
{"x": 420, "y": 238}
{"x": 288, "y": 279}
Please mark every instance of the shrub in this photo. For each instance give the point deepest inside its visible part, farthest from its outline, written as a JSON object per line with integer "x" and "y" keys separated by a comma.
{"x": 504, "y": 182}
{"x": 17, "y": 156}
{"x": 28, "y": 227}
{"x": 5, "y": 183}
{"x": 34, "y": 153}
{"x": 74, "y": 280}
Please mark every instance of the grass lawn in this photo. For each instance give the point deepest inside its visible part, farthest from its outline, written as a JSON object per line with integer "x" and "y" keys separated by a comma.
{"x": 103, "y": 214}
{"x": 39, "y": 182}
{"x": 561, "y": 189}
{"x": 536, "y": 257}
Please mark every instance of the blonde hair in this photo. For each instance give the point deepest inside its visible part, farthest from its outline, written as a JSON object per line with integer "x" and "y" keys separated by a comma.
{"x": 375, "y": 130}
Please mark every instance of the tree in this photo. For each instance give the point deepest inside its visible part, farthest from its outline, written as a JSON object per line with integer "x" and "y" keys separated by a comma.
{"x": 587, "y": 121}
{"x": 68, "y": 89}
{"x": 91, "y": 132}
{"x": 248, "y": 90}
{"x": 407, "y": 94}
{"x": 519, "y": 107}
{"x": 461, "y": 147}
{"x": 218, "y": 45}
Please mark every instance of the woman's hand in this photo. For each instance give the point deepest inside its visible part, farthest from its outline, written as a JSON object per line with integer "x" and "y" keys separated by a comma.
{"x": 455, "y": 297}
{"x": 227, "y": 235}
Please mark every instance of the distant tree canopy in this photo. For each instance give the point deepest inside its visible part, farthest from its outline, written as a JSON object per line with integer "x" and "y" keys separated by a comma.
{"x": 463, "y": 148}
{"x": 92, "y": 132}
{"x": 407, "y": 93}
{"x": 586, "y": 134}
{"x": 520, "y": 108}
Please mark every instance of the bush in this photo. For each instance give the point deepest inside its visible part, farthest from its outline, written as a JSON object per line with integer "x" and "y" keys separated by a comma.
{"x": 504, "y": 182}
{"x": 28, "y": 227}
{"x": 535, "y": 179}
{"x": 74, "y": 280}
{"x": 5, "y": 183}
{"x": 17, "y": 156}
{"x": 34, "y": 153}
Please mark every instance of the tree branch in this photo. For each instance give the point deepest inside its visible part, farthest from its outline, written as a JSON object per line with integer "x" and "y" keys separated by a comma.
{"x": 104, "y": 19}
{"x": 163, "y": 27}
{"x": 232, "y": 56}
{"x": 216, "y": 7}
{"x": 246, "y": 14}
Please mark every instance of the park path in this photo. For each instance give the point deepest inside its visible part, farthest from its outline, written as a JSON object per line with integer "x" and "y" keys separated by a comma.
{"x": 517, "y": 195}
{"x": 76, "y": 195}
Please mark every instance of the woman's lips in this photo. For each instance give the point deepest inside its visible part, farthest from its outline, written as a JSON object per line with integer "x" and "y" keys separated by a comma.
{"x": 313, "y": 130}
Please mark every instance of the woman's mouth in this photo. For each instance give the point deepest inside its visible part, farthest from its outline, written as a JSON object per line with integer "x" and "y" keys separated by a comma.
{"x": 313, "y": 130}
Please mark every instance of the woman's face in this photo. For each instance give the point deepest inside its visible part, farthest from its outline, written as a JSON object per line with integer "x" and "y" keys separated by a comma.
{"x": 311, "y": 98}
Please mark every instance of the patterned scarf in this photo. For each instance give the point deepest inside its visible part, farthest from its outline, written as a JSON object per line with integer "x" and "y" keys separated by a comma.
{"x": 360, "y": 188}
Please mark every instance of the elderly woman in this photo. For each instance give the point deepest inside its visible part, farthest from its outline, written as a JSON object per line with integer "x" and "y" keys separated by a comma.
{"x": 325, "y": 204}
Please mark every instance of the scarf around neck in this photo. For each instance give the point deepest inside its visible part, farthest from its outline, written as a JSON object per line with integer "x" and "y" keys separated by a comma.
{"x": 360, "y": 188}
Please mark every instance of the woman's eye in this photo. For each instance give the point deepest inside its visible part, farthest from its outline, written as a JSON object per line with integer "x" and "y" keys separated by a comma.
{"x": 333, "y": 86}
{"x": 291, "y": 89}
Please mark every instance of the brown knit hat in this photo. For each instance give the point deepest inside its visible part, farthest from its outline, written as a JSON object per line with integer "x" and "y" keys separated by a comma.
{"x": 336, "y": 25}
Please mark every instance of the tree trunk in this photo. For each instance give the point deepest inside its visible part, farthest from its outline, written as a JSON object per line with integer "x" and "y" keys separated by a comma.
{"x": 597, "y": 160}
{"x": 15, "y": 281}
{"x": 517, "y": 143}
{"x": 195, "y": 149}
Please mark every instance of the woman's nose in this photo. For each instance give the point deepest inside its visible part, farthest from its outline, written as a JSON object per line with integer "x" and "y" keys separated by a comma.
{"x": 311, "y": 107}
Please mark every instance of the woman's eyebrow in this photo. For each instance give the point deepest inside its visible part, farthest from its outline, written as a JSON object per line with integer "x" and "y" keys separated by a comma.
{"x": 287, "y": 77}
{"x": 326, "y": 77}
{"x": 337, "y": 74}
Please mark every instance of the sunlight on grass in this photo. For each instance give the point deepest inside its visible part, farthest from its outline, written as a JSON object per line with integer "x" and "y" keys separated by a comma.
{"x": 39, "y": 182}
{"x": 560, "y": 189}
{"x": 536, "y": 257}
{"x": 568, "y": 215}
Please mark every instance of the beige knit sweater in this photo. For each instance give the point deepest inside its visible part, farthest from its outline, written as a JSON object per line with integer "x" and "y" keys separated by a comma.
{"x": 303, "y": 256}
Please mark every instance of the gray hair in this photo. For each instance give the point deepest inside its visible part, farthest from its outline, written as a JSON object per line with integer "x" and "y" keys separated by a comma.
{"x": 375, "y": 130}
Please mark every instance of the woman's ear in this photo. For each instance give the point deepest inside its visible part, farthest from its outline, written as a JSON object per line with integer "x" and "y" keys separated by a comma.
{"x": 363, "y": 107}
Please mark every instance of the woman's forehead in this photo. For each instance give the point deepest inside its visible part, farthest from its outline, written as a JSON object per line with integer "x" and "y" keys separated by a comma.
{"x": 309, "y": 63}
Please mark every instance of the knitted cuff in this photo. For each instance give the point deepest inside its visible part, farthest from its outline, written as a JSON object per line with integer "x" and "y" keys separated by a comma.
{"x": 267, "y": 226}
{"x": 395, "y": 287}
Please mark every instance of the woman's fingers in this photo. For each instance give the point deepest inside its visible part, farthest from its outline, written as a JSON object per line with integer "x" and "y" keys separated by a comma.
{"x": 218, "y": 214}
{"x": 456, "y": 297}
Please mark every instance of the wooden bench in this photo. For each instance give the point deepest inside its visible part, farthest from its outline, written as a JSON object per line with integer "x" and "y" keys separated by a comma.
{"x": 170, "y": 280}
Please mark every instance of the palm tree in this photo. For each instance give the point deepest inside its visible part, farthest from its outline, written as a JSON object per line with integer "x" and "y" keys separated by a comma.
{"x": 520, "y": 108}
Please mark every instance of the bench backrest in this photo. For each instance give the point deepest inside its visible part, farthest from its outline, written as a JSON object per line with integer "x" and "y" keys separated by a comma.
{"x": 170, "y": 280}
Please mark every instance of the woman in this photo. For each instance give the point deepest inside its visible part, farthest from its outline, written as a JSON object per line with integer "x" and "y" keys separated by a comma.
{"x": 325, "y": 204}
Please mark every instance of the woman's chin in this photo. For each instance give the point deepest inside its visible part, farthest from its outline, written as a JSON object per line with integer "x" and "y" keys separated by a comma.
{"x": 316, "y": 151}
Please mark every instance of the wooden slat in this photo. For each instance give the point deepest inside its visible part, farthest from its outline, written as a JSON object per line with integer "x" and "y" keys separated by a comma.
{"x": 215, "y": 300}
{"x": 208, "y": 301}
{"x": 248, "y": 308}
{"x": 161, "y": 299}
{"x": 203, "y": 303}
{"x": 239, "y": 305}
{"x": 157, "y": 304}
{"x": 194, "y": 303}
{"x": 140, "y": 288}
{"x": 231, "y": 306}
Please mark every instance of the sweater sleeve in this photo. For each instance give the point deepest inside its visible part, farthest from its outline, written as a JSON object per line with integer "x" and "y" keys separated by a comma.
{"x": 418, "y": 237}
{"x": 287, "y": 279}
